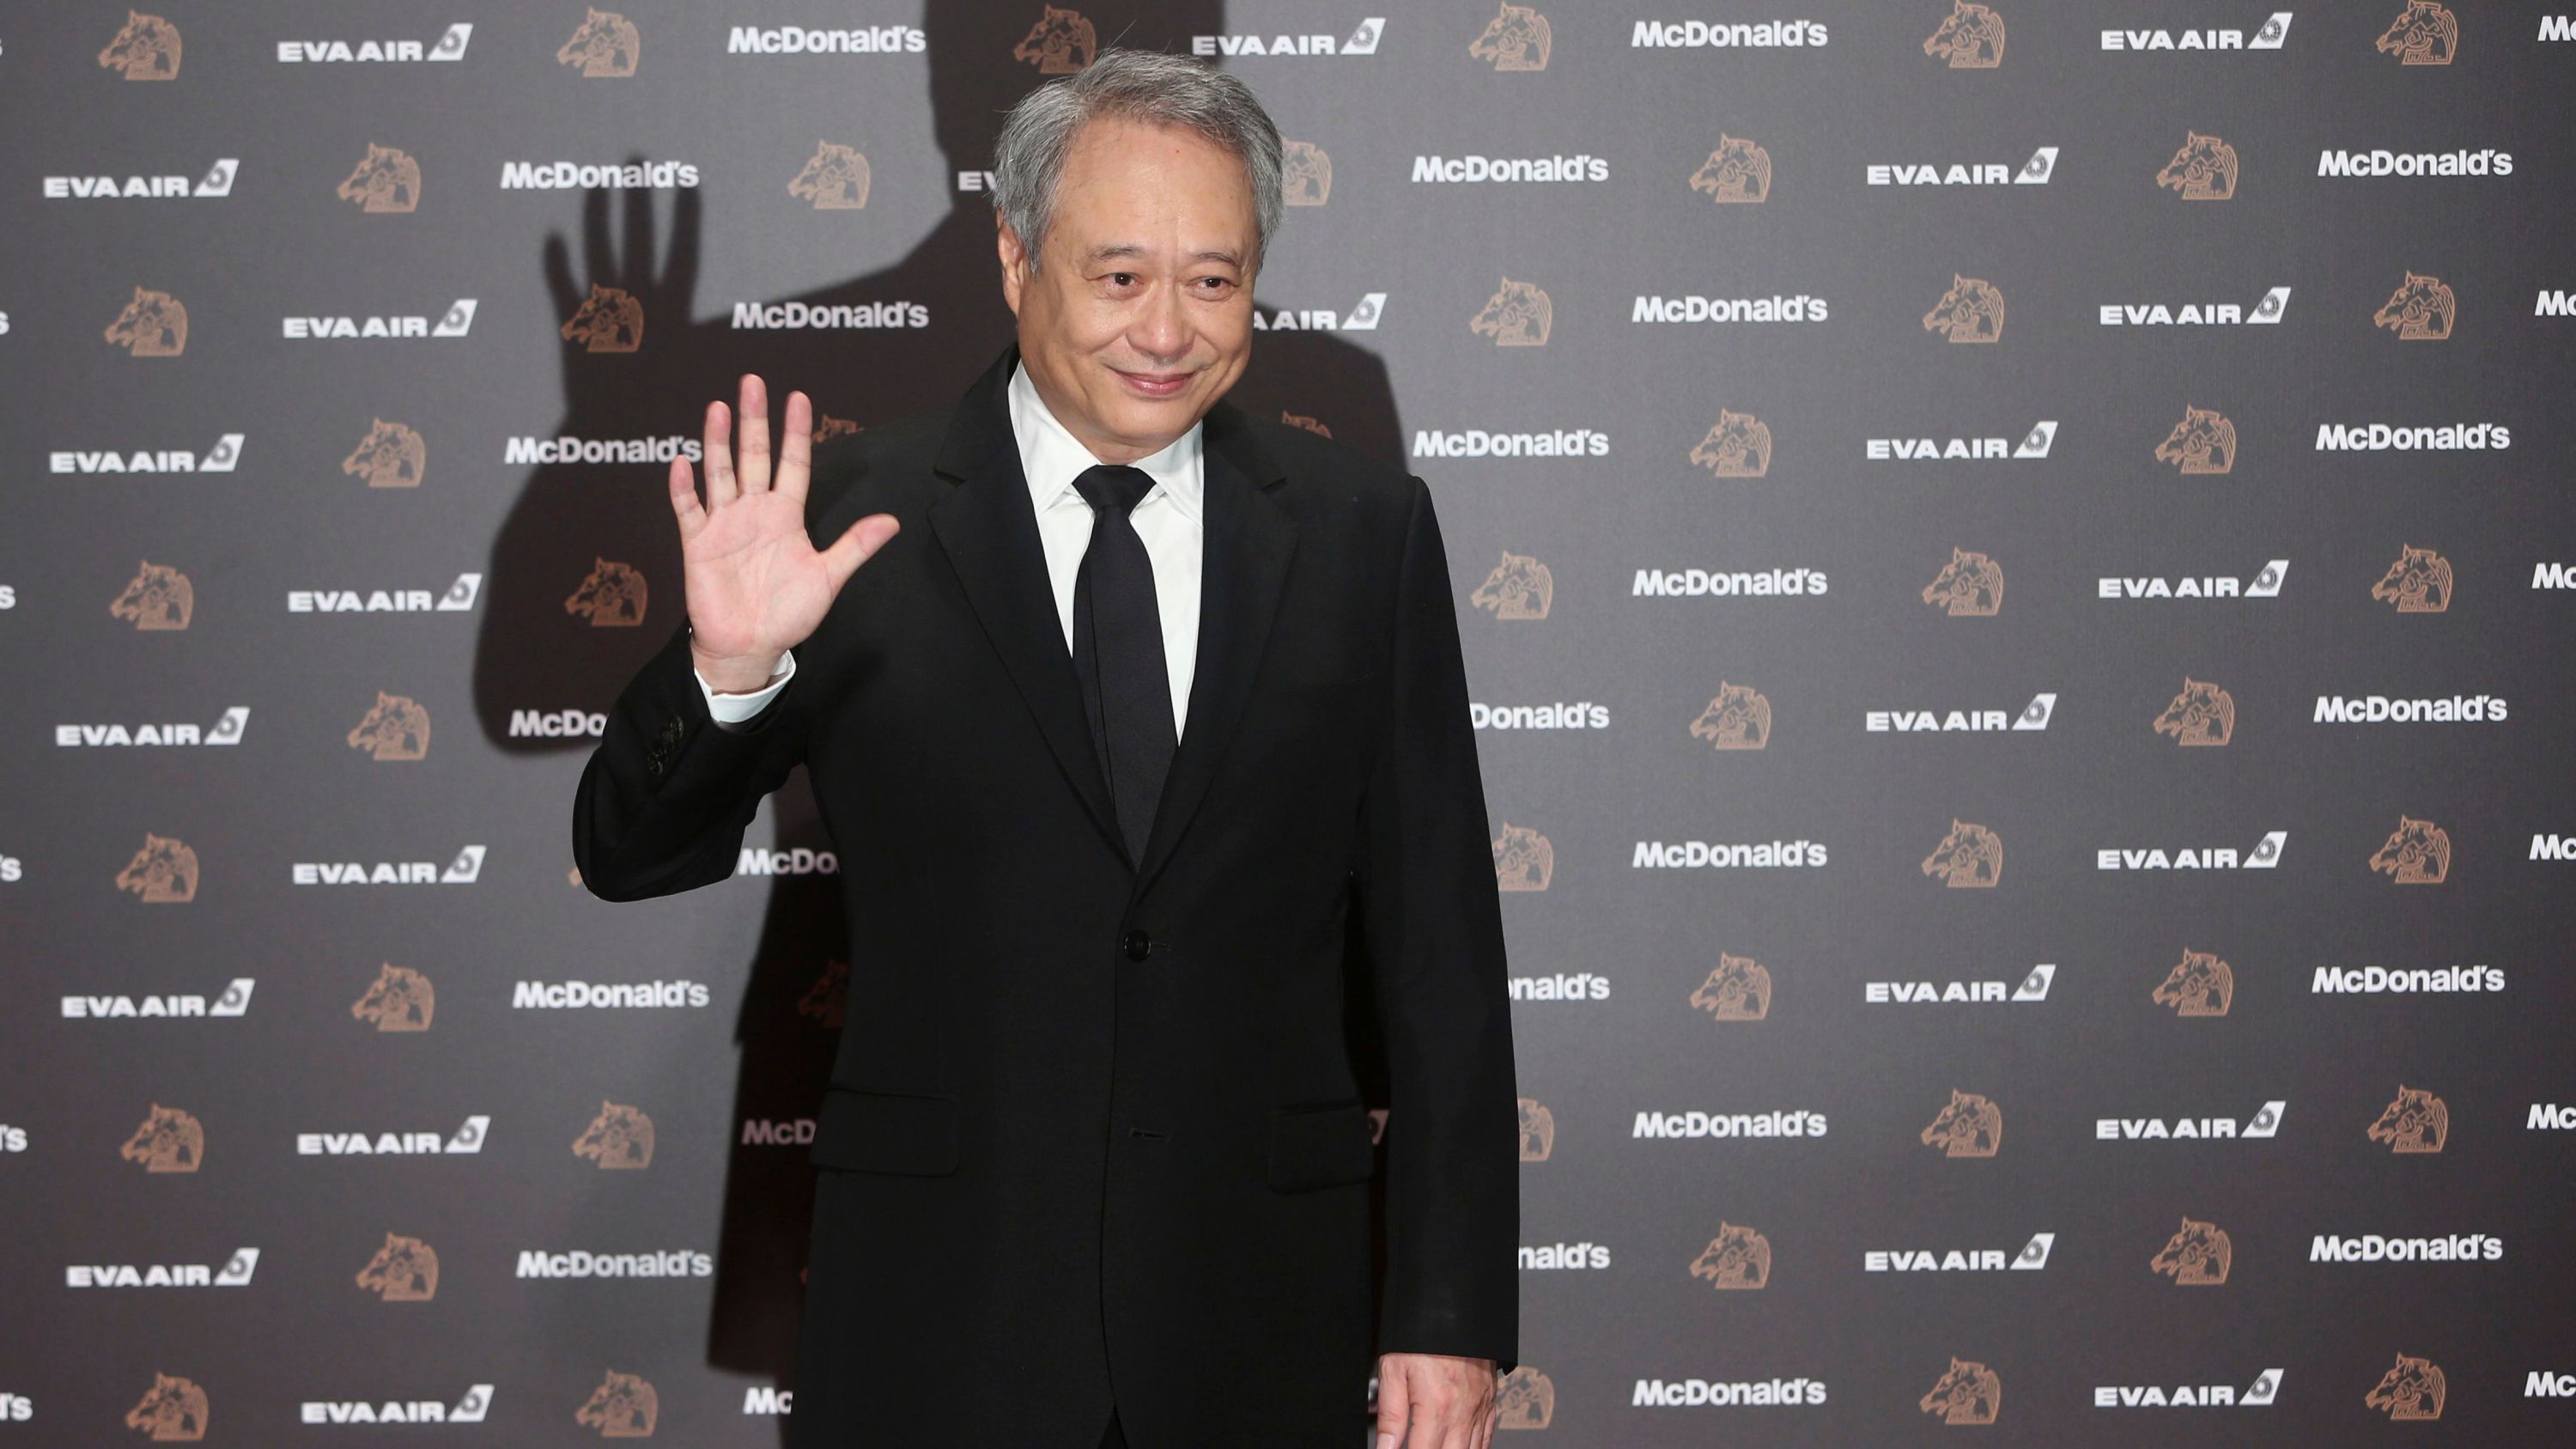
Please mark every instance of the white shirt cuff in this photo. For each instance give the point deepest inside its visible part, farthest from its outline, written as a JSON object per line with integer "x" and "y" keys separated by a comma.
{"x": 733, "y": 711}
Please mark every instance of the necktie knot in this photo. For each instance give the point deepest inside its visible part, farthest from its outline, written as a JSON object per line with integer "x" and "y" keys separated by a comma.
{"x": 1113, "y": 488}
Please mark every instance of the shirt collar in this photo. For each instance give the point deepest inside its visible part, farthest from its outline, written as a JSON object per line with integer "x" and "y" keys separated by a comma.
{"x": 1052, "y": 457}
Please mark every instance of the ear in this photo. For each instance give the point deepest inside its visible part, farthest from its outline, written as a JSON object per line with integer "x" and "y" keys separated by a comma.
{"x": 1014, "y": 257}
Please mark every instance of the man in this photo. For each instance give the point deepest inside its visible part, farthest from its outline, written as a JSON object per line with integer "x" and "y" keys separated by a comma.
{"x": 1135, "y": 704}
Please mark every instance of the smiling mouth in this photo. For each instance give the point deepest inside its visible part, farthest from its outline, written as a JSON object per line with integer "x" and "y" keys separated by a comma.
{"x": 1154, "y": 384}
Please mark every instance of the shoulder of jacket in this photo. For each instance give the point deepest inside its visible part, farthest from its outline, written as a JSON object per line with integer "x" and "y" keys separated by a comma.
{"x": 1326, "y": 468}
{"x": 884, "y": 467}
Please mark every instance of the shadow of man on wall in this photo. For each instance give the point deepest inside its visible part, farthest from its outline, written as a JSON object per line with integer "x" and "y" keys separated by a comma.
{"x": 570, "y": 522}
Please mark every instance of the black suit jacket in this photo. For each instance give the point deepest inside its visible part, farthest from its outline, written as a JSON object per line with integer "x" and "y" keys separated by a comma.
{"x": 1093, "y": 1126}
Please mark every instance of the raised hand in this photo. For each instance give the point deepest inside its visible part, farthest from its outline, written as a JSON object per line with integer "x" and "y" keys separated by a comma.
{"x": 756, "y": 584}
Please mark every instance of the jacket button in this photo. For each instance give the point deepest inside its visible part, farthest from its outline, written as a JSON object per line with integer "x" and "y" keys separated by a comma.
{"x": 1136, "y": 944}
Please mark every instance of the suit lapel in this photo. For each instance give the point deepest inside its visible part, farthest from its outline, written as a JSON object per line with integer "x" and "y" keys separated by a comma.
{"x": 990, "y": 534}
{"x": 1249, "y": 539}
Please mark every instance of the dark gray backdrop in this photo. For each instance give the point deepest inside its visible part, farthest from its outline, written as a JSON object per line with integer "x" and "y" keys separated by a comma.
{"x": 1630, "y": 1347}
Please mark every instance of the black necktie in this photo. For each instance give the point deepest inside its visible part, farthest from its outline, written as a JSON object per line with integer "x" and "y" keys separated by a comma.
{"x": 1118, "y": 652}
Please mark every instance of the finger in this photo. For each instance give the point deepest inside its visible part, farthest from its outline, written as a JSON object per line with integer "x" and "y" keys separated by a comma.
{"x": 679, "y": 279}
{"x": 857, "y": 545}
{"x": 795, "y": 445}
{"x": 751, "y": 458}
{"x": 596, "y": 258}
{"x": 559, "y": 282}
{"x": 1392, "y": 1404}
{"x": 638, "y": 271}
{"x": 684, "y": 498}
{"x": 720, "y": 484}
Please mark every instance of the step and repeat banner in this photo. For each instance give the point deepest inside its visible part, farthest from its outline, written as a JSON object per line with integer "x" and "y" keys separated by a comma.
{"x": 2014, "y": 562}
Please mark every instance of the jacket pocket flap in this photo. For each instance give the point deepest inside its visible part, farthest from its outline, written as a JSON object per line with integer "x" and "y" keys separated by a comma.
{"x": 1320, "y": 1146}
{"x": 883, "y": 1132}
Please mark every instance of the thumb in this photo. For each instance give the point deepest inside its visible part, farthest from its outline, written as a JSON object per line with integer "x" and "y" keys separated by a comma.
{"x": 1392, "y": 1401}
{"x": 855, "y": 546}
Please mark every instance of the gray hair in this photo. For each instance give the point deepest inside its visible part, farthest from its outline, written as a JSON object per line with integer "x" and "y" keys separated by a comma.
{"x": 1134, "y": 85}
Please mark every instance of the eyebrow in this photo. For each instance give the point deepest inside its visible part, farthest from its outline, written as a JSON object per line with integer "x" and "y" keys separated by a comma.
{"x": 1117, "y": 250}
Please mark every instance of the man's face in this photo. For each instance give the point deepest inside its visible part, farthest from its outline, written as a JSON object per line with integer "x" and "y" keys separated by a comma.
{"x": 1142, "y": 316}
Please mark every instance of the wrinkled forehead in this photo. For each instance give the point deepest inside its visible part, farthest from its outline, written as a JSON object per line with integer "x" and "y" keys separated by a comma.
{"x": 1129, "y": 188}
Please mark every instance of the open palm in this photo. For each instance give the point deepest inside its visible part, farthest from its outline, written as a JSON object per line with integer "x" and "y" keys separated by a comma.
{"x": 757, "y": 586}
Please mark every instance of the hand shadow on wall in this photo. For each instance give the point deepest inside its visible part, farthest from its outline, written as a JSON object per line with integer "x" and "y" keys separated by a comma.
{"x": 541, "y": 644}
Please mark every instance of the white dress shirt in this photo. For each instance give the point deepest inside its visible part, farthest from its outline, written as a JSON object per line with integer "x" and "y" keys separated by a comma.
{"x": 1170, "y": 519}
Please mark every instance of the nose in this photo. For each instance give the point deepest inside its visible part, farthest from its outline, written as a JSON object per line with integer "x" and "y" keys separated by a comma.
{"x": 1159, "y": 329}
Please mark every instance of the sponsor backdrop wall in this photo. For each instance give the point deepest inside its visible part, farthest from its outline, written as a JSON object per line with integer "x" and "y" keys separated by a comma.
{"x": 2014, "y": 570}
